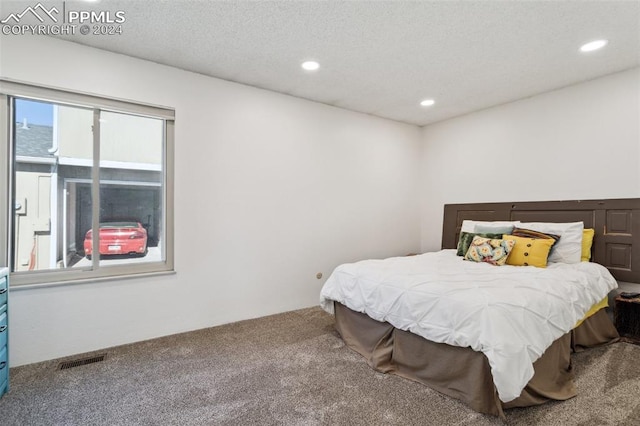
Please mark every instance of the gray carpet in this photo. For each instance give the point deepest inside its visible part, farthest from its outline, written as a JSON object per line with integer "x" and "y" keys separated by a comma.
{"x": 287, "y": 369}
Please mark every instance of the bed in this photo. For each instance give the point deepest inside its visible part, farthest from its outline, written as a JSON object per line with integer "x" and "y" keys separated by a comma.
{"x": 457, "y": 359}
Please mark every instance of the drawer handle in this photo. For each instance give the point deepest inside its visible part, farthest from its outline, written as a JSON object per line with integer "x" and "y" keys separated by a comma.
{"x": 3, "y": 364}
{"x": 3, "y": 290}
{"x": 2, "y": 328}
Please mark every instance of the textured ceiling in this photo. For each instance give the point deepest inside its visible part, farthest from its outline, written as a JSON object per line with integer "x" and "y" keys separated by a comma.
{"x": 383, "y": 57}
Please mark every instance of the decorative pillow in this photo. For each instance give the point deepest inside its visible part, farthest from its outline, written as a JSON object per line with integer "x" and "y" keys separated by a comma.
{"x": 493, "y": 229}
{"x": 489, "y": 250}
{"x": 568, "y": 249}
{"x": 530, "y": 233}
{"x": 470, "y": 225}
{"x": 587, "y": 242}
{"x": 529, "y": 251}
{"x": 465, "y": 241}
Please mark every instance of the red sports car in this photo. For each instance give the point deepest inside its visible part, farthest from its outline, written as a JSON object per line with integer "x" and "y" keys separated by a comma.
{"x": 118, "y": 238}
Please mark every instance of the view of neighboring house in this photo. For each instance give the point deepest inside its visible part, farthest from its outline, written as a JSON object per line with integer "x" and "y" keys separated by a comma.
{"x": 53, "y": 181}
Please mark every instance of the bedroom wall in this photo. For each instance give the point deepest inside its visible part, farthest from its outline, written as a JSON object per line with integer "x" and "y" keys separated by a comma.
{"x": 579, "y": 142}
{"x": 270, "y": 190}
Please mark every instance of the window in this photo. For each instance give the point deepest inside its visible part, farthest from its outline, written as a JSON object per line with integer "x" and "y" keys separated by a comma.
{"x": 89, "y": 191}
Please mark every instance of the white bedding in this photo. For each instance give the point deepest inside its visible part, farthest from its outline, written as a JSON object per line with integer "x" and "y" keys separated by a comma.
{"x": 510, "y": 313}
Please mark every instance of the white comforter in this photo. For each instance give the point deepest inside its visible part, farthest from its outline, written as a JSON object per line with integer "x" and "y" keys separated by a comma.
{"x": 512, "y": 314}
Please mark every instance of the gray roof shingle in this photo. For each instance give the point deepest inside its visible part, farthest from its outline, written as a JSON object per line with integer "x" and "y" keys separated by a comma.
{"x": 34, "y": 141}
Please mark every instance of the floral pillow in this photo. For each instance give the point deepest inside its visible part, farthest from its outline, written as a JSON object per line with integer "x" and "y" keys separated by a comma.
{"x": 465, "y": 240}
{"x": 489, "y": 250}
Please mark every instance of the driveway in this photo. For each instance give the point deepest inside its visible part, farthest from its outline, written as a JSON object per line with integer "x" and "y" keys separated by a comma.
{"x": 153, "y": 255}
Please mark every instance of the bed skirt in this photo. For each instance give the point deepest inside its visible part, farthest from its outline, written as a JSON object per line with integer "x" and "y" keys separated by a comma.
{"x": 463, "y": 373}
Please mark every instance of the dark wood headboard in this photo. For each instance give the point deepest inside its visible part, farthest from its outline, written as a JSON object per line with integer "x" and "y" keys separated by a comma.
{"x": 616, "y": 223}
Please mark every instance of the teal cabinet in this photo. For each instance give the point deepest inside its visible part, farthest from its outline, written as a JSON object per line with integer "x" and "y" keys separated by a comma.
{"x": 4, "y": 331}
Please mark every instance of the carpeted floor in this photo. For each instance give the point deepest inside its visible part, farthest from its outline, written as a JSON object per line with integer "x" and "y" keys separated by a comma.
{"x": 287, "y": 369}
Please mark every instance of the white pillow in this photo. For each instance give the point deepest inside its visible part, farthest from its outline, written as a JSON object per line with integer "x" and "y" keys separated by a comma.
{"x": 469, "y": 225}
{"x": 569, "y": 247}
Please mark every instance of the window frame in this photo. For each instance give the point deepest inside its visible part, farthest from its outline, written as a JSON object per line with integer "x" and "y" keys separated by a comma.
{"x": 13, "y": 89}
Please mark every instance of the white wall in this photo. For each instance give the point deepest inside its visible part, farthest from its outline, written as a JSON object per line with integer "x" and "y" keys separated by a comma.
{"x": 579, "y": 142}
{"x": 270, "y": 190}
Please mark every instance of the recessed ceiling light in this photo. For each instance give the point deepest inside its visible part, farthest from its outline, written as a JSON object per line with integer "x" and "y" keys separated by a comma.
{"x": 593, "y": 45}
{"x": 310, "y": 65}
{"x": 427, "y": 102}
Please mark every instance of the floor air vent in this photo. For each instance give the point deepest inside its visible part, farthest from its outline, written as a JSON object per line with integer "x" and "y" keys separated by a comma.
{"x": 83, "y": 361}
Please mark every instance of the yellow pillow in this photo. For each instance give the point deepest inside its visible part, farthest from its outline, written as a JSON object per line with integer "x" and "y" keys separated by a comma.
{"x": 587, "y": 241}
{"x": 529, "y": 251}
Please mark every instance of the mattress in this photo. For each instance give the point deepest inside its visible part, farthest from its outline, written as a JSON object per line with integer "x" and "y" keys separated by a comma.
{"x": 510, "y": 314}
